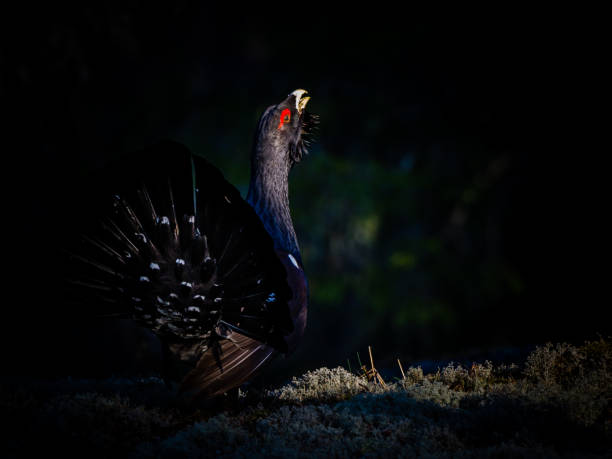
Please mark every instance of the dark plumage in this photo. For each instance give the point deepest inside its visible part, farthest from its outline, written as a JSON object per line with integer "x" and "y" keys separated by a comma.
{"x": 170, "y": 243}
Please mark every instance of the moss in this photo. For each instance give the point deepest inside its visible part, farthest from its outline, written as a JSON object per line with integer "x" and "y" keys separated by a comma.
{"x": 564, "y": 364}
{"x": 414, "y": 375}
{"x": 577, "y": 379}
{"x": 322, "y": 386}
{"x": 557, "y": 406}
{"x": 85, "y": 421}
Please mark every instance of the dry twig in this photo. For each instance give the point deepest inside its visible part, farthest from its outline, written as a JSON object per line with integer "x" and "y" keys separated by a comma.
{"x": 401, "y": 369}
{"x": 372, "y": 374}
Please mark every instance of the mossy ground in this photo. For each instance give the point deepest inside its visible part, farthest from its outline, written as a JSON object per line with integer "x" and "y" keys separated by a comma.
{"x": 556, "y": 404}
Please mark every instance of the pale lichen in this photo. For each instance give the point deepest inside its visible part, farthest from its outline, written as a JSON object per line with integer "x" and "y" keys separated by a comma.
{"x": 558, "y": 405}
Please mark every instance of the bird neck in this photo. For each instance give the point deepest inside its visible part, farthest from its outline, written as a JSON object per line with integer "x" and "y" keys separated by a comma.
{"x": 269, "y": 196}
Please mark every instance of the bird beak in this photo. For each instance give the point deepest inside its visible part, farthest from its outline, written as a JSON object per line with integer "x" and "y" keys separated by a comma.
{"x": 300, "y": 100}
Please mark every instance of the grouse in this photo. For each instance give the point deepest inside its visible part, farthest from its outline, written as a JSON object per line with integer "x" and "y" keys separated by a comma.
{"x": 170, "y": 243}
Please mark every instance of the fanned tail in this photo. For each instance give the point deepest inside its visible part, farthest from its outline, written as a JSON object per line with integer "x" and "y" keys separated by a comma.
{"x": 204, "y": 278}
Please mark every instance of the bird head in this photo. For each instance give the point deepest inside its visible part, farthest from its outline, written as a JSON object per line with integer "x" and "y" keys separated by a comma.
{"x": 284, "y": 130}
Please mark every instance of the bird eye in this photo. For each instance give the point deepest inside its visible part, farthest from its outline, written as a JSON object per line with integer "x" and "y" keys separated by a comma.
{"x": 285, "y": 117}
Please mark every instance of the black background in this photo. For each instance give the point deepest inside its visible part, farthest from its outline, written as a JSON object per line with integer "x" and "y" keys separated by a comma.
{"x": 83, "y": 84}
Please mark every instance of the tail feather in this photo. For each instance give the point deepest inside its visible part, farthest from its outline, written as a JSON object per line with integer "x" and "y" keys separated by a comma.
{"x": 205, "y": 279}
{"x": 236, "y": 360}
{"x": 145, "y": 199}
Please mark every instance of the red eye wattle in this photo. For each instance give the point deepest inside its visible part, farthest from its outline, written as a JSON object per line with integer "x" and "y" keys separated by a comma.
{"x": 285, "y": 117}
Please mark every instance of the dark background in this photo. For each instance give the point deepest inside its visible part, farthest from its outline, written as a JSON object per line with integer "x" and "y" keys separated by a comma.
{"x": 452, "y": 205}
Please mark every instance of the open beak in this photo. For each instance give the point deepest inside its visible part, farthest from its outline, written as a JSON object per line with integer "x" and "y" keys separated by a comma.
{"x": 300, "y": 100}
